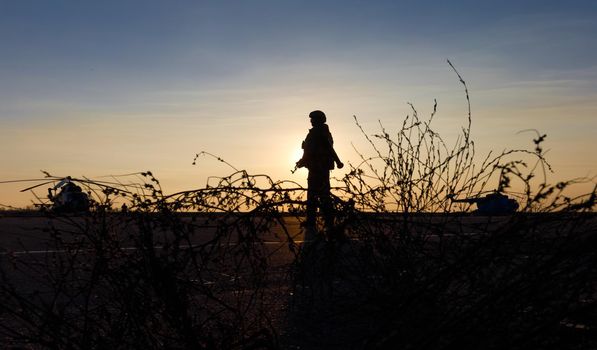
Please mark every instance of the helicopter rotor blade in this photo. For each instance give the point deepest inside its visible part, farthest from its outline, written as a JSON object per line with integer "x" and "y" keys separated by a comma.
{"x": 104, "y": 184}
{"x": 27, "y": 180}
{"x": 38, "y": 185}
{"x": 63, "y": 180}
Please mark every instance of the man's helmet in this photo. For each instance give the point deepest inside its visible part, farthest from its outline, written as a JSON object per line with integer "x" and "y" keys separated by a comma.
{"x": 318, "y": 117}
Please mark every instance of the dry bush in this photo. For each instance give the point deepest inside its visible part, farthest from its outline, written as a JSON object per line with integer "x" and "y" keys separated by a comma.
{"x": 409, "y": 275}
{"x": 147, "y": 276}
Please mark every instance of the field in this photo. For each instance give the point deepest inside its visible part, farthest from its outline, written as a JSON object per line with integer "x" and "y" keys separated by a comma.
{"x": 428, "y": 281}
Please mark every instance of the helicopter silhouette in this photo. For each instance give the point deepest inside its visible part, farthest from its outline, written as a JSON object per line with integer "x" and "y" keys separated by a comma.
{"x": 71, "y": 197}
{"x": 494, "y": 203}
{"x": 66, "y": 196}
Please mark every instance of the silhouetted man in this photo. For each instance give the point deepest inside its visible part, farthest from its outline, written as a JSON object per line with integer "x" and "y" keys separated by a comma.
{"x": 319, "y": 157}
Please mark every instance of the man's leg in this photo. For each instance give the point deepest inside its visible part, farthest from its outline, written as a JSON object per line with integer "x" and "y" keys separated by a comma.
{"x": 325, "y": 201}
{"x": 318, "y": 195}
{"x": 311, "y": 206}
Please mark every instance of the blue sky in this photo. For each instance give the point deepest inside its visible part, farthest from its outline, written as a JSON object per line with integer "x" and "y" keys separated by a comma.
{"x": 102, "y": 87}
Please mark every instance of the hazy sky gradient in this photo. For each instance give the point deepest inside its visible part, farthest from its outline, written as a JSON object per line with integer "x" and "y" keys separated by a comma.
{"x": 107, "y": 87}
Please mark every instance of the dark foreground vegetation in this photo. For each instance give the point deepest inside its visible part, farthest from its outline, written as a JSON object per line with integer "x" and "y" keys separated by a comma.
{"x": 397, "y": 271}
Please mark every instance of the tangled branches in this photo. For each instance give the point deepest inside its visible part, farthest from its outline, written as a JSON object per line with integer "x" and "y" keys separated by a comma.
{"x": 415, "y": 170}
{"x": 150, "y": 275}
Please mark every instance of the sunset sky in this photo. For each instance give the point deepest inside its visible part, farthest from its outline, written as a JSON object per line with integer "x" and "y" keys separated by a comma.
{"x": 116, "y": 86}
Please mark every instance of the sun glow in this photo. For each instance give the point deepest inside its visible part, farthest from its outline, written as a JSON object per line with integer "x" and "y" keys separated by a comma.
{"x": 296, "y": 155}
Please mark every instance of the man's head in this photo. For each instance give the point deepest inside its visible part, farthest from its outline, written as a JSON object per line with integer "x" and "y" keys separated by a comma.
{"x": 317, "y": 117}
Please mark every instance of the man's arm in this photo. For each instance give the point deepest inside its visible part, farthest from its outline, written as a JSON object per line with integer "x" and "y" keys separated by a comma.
{"x": 339, "y": 163}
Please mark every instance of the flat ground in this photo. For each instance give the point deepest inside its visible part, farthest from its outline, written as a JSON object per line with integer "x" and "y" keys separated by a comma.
{"x": 322, "y": 304}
